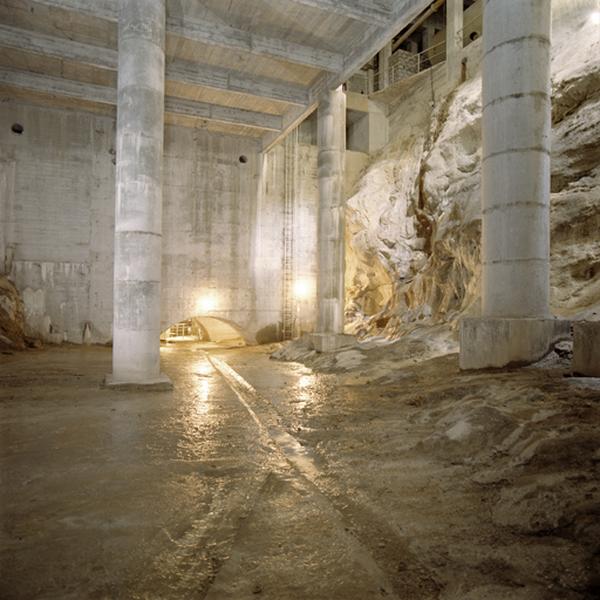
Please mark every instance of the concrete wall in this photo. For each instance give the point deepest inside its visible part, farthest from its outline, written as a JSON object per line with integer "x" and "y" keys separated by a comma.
{"x": 367, "y": 132}
{"x": 269, "y": 235}
{"x": 209, "y": 211}
{"x": 59, "y": 217}
{"x": 57, "y": 210}
{"x": 222, "y": 224}
{"x": 269, "y": 232}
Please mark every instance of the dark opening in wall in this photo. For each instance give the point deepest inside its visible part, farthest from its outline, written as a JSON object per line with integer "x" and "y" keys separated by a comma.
{"x": 17, "y": 128}
{"x": 243, "y": 159}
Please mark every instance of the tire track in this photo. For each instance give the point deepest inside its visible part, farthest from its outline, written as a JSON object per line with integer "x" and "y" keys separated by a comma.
{"x": 386, "y": 551}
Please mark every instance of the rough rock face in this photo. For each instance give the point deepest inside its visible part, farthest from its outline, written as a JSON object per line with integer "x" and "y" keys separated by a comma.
{"x": 414, "y": 222}
{"x": 493, "y": 476}
{"x": 12, "y": 317}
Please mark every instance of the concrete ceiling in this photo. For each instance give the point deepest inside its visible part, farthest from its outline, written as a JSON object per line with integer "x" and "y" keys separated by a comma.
{"x": 248, "y": 67}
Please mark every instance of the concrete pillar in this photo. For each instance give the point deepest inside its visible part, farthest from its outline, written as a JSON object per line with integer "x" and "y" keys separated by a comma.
{"x": 383, "y": 59}
{"x": 516, "y": 326}
{"x": 331, "y": 227}
{"x": 516, "y": 159}
{"x": 454, "y": 41}
{"x": 140, "y": 124}
{"x": 428, "y": 35}
{"x": 370, "y": 81}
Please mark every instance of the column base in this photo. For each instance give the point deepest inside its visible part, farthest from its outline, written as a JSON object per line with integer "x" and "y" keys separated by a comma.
{"x": 159, "y": 384}
{"x": 586, "y": 348}
{"x": 493, "y": 343}
{"x": 330, "y": 342}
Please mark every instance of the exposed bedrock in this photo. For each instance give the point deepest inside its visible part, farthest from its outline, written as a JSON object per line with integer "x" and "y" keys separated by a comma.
{"x": 14, "y": 332}
{"x": 415, "y": 219}
{"x": 12, "y": 316}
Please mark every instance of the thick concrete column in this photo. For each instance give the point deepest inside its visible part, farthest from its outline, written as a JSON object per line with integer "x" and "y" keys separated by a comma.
{"x": 516, "y": 324}
{"x": 454, "y": 41}
{"x": 331, "y": 227}
{"x": 516, "y": 159}
{"x": 140, "y": 124}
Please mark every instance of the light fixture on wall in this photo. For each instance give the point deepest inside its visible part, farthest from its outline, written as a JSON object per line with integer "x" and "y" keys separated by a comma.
{"x": 206, "y": 303}
{"x": 303, "y": 289}
{"x": 595, "y": 17}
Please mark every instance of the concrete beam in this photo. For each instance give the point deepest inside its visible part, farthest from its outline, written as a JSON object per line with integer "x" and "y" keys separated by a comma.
{"x": 236, "y": 81}
{"x": 45, "y": 45}
{"x": 177, "y": 71}
{"x": 374, "y": 39}
{"x": 405, "y": 11}
{"x": 56, "y": 86}
{"x": 102, "y": 9}
{"x": 223, "y": 114}
{"x": 217, "y": 34}
{"x": 104, "y": 95}
{"x": 367, "y": 11}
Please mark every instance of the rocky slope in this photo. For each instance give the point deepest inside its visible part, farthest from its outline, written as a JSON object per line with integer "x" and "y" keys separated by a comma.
{"x": 487, "y": 482}
{"x": 414, "y": 221}
{"x": 12, "y": 317}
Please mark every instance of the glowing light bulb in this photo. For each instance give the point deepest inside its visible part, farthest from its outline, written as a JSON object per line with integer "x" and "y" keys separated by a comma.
{"x": 302, "y": 289}
{"x": 207, "y": 303}
{"x": 595, "y": 17}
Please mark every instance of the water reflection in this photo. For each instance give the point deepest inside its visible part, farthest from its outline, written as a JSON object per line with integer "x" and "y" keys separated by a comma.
{"x": 196, "y": 418}
{"x": 303, "y": 391}
{"x": 204, "y": 373}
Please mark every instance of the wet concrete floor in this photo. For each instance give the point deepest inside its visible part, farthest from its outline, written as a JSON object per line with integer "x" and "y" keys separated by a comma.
{"x": 258, "y": 479}
{"x": 181, "y": 494}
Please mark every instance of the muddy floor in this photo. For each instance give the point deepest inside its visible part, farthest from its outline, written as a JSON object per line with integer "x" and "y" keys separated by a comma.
{"x": 262, "y": 479}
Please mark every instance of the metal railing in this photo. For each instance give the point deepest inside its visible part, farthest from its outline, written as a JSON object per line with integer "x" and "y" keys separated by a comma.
{"x": 407, "y": 64}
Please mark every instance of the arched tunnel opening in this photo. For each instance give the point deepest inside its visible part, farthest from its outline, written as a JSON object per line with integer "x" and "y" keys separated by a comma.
{"x": 206, "y": 330}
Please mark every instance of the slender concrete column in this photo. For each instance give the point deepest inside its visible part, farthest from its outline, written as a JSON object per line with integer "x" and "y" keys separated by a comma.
{"x": 454, "y": 40}
{"x": 370, "y": 81}
{"x": 140, "y": 124}
{"x": 331, "y": 233}
{"x": 383, "y": 58}
{"x": 428, "y": 34}
{"x": 516, "y": 326}
{"x": 516, "y": 159}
